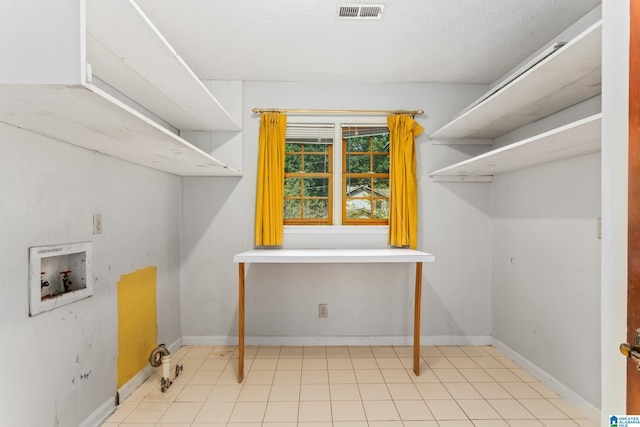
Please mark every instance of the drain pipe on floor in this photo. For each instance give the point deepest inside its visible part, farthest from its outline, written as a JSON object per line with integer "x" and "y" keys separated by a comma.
{"x": 161, "y": 356}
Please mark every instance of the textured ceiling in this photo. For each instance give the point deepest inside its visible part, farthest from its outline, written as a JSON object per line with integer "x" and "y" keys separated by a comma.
{"x": 456, "y": 41}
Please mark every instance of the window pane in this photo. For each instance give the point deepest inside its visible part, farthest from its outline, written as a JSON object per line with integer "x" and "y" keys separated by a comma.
{"x": 292, "y": 208}
{"x": 358, "y": 187}
{"x": 292, "y": 163}
{"x": 316, "y": 208}
{"x": 381, "y": 210}
{"x": 358, "y": 163}
{"x": 292, "y": 187}
{"x": 358, "y": 208}
{"x": 316, "y": 148}
{"x": 381, "y": 164}
{"x": 381, "y": 185}
{"x": 316, "y": 187}
{"x": 314, "y": 163}
{"x": 380, "y": 143}
{"x": 358, "y": 144}
{"x": 292, "y": 147}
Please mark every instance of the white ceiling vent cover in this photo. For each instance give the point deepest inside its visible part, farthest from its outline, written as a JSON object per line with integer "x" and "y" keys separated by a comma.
{"x": 360, "y": 11}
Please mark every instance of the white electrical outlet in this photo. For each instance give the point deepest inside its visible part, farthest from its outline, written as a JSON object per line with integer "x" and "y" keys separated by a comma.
{"x": 97, "y": 223}
{"x": 323, "y": 311}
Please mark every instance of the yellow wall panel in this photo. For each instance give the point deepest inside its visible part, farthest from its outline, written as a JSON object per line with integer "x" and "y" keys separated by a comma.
{"x": 137, "y": 322}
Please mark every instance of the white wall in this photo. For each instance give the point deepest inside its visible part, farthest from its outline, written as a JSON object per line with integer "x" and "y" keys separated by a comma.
{"x": 371, "y": 305}
{"x": 59, "y": 367}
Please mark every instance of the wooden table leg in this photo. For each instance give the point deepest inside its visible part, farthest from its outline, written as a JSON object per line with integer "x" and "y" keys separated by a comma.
{"x": 240, "y": 322}
{"x": 416, "y": 319}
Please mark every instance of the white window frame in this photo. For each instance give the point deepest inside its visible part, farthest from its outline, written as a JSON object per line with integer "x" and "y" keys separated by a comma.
{"x": 337, "y": 234}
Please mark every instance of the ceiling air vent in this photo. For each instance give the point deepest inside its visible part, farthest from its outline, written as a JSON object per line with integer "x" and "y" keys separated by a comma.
{"x": 360, "y": 11}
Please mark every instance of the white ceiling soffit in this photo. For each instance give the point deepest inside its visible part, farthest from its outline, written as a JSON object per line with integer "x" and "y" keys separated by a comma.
{"x": 360, "y": 11}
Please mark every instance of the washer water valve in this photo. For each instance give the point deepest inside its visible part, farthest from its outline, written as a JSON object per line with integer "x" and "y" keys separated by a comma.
{"x": 161, "y": 356}
{"x": 66, "y": 282}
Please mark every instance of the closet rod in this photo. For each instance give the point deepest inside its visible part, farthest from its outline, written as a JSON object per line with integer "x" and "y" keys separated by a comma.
{"x": 341, "y": 112}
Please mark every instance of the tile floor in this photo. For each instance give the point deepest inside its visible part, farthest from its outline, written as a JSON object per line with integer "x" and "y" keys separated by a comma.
{"x": 346, "y": 387}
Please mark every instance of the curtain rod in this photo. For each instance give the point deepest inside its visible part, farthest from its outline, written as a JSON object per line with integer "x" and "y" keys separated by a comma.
{"x": 342, "y": 112}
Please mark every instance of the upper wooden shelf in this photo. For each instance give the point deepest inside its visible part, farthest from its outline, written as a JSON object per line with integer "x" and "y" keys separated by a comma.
{"x": 86, "y": 116}
{"x": 127, "y": 52}
{"x": 573, "y": 139}
{"x": 570, "y": 75}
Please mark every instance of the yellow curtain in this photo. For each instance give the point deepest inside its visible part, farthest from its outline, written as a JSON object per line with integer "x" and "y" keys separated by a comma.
{"x": 270, "y": 187}
{"x": 403, "y": 194}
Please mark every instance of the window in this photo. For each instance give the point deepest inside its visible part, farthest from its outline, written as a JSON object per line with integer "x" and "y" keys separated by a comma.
{"x": 308, "y": 174}
{"x": 351, "y": 188}
{"x": 365, "y": 175}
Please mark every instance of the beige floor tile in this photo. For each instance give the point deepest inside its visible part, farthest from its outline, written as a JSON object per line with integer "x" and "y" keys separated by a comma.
{"x": 338, "y": 351}
{"x": 268, "y": 352}
{"x": 450, "y": 351}
{"x": 348, "y": 410}
{"x": 559, "y": 423}
{"x": 200, "y": 352}
{"x": 348, "y": 424}
{"x": 385, "y": 424}
{"x": 314, "y": 392}
{"x": 492, "y": 390}
{"x": 449, "y": 375}
{"x": 344, "y": 392}
{"x": 260, "y": 377}
{"x": 439, "y": 362}
{"x": 463, "y": 362}
{"x": 476, "y": 375}
{"x": 320, "y": 424}
{"x": 368, "y": 376}
{"x": 314, "y": 411}
{"x": 339, "y": 363}
{"x": 383, "y": 351}
{"x": 156, "y": 394}
{"x": 314, "y": 352}
{"x": 287, "y": 377}
{"x": 510, "y": 409}
{"x": 225, "y": 392}
{"x": 360, "y": 351}
{"x": 582, "y": 422}
{"x": 478, "y": 410}
{"x": 291, "y": 352}
{"x": 419, "y": 423}
{"x": 315, "y": 377}
{"x": 525, "y": 423}
{"x": 506, "y": 362}
{"x": 314, "y": 363}
{"x": 521, "y": 391}
{"x": 214, "y": 365}
{"x": 433, "y": 391}
{"x": 122, "y": 411}
{"x": 474, "y": 351}
{"x": 395, "y": 376}
{"x": 243, "y": 424}
{"x": 279, "y": 424}
{"x": 415, "y": 410}
{"x": 285, "y": 393}
{"x": 567, "y": 408}
{"x": 544, "y": 391}
{"x": 455, "y": 423}
{"x": 389, "y": 363}
{"x": 489, "y": 423}
{"x": 254, "y": 393}
{"x": 426, "y": 376}
{"x": 181, "y": 412}
{"x": 281, "y": 412}
{"x": 342, "y": 376}
{"x": 224, "y": 352}
{"x": 503, "y": 375}
{"x": 194, "y": 393}
{"x": 524, "y": 375}
{"x": 289, "y": 364}
{"x": 446, "y": 410}
{"x": 215, "y": 412}
{"x": 381, "y": 410}
{"x": 404, "y": 392}
{"x": 147, "y": 412}
{"x": 403, "y": 351}
{"x": 487, "y": 362}
{"x": 364, "y": 363}
{"x": 374, "y": 392}
{"x": 228, "y": 377}
{"x": 125, "y": 424}
{"x": 430, "y": 351}
{"x": 462, "y": 391}
{"x": 264, "y": 365}
{"x": 246, "y": 412}
{"x": 205, "y": 377}
{"x": 542, "y": 409}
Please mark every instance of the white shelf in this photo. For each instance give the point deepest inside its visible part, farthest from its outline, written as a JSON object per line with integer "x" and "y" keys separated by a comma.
{"x": 126, "y": 51}
{"x": 574, "y": 139}
{"x": 333, "y": 256}
{"x": 86, "y": 116}
{"x": 569, "y": 76}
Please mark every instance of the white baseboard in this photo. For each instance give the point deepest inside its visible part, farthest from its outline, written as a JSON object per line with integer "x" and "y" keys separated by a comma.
{"x": 98, "y": 416}
{"x": 590, "y": 411}
{"x": 222, "y": 340}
